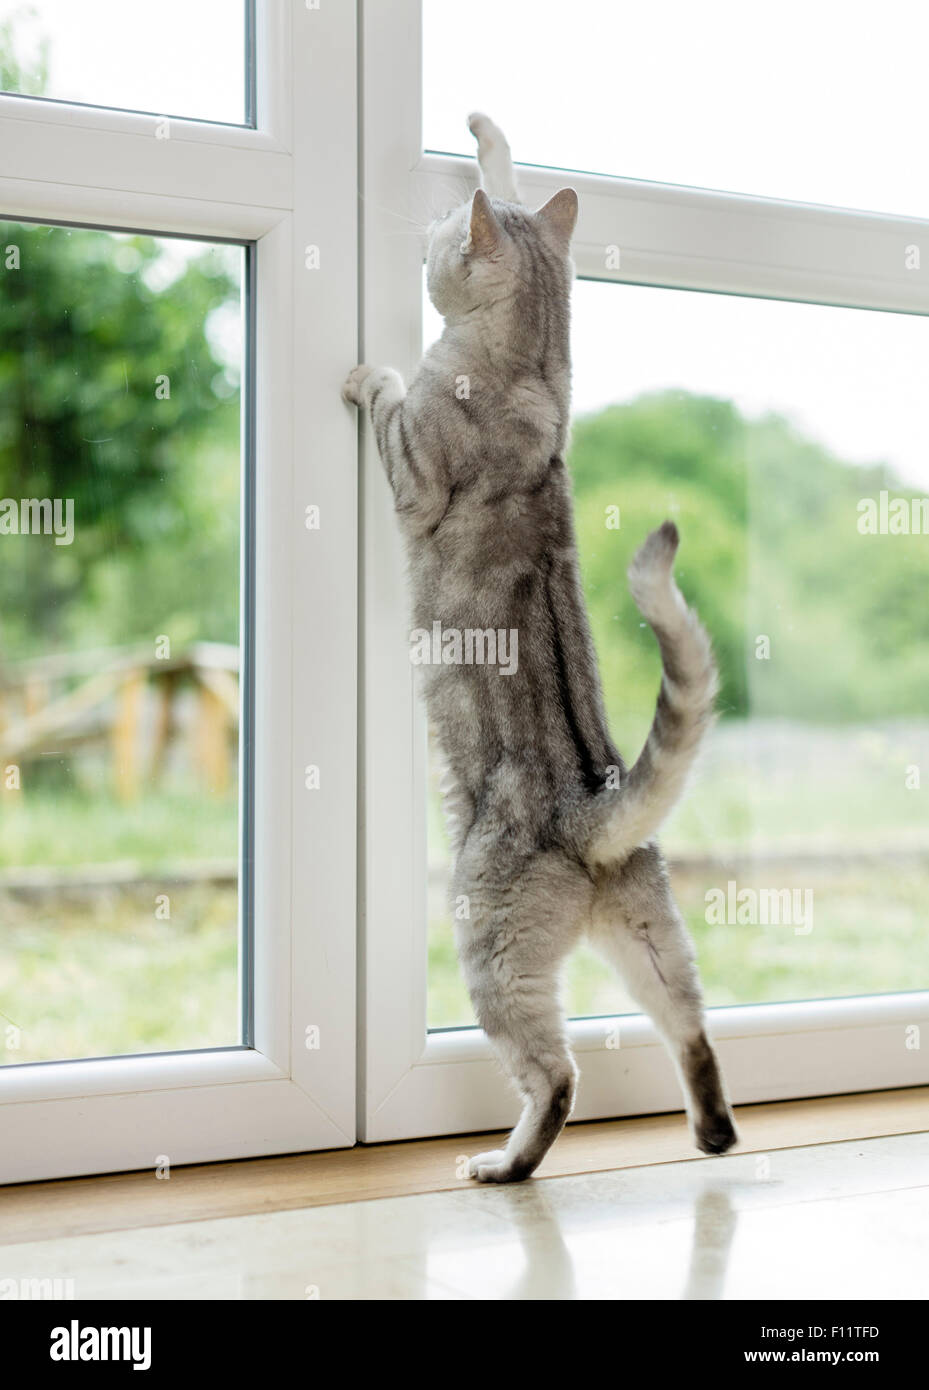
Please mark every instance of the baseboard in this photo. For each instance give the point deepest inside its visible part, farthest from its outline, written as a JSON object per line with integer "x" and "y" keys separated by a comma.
{"x": 127, "y": 1201}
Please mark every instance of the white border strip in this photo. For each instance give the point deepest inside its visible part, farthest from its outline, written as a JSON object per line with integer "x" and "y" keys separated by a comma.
{"x": 692, "y": 238}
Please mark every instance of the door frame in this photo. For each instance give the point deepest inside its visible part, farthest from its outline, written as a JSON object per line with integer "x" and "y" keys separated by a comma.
{"x": 280, "y": 190}
{"x": 414, "y": 1082}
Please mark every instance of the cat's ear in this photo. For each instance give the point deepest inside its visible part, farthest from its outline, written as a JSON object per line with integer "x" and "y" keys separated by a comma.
{"x": 560, "y": 213}
{"x": 485, "y": 233}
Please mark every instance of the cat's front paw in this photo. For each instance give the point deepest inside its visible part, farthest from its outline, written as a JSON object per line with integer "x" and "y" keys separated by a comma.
{"x": 485, "y": 132}
{"x": 351, "y": 387}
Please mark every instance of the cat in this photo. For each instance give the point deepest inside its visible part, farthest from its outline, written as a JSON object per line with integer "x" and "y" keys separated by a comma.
{"x": 551, "y": 833}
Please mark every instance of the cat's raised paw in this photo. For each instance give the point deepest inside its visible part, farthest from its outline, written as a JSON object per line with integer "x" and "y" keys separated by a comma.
{"x": 485, "y": 132}
{"x": 351, "y": 387}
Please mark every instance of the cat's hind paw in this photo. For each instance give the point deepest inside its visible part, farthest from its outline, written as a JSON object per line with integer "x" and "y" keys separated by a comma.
{"x": 717, "y": 1135}
{"x": 485, "y": 1167}
{"x": 496, "y": 1167}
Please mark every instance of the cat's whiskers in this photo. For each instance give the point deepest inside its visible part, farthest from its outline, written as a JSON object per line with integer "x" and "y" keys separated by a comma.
{"x": 417, "y": 228}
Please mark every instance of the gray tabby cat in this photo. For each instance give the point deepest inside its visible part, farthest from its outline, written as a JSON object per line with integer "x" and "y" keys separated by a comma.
{"x": 551, "y": 833}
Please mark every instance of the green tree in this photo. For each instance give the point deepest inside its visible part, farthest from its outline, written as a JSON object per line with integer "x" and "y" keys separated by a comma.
{"x": 108, "y": 387}
{"x": 770, "y": 547}
{"x": 113, "y": 394}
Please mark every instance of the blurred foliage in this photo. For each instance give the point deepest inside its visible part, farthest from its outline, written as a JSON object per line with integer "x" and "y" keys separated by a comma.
{"x": 30, "y": 78}
{"x": 93, "y": 323}
{"x": 89, "y": 336}
{"x": 769, "y": 547}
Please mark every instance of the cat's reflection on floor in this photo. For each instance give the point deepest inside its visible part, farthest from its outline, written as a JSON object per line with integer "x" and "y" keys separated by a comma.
{"x": 715, "y": 1220}
{"x": 549, "y": 1269}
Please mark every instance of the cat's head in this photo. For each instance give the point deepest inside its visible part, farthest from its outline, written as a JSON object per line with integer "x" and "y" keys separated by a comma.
{"x": 486, "y": 250}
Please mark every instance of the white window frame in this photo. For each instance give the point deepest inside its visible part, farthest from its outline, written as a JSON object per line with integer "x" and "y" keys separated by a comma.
{"x": 284, "y": 185}
{"x": 413, "y": 1082}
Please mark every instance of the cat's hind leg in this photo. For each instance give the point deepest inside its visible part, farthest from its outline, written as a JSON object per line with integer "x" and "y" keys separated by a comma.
{"x": 636, "y": 925}
{"x": 511, "y": 954}
{"x": 493, "y": 155}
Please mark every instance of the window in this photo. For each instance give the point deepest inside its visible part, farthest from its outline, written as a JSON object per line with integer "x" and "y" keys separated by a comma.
{"x": 756, "y": 363}
{"x": 764, "y": 427}
{"x": 161, "y": 299}
{"x": 753, "y": 366}
{"x": 134, "y": 57}
{"x": 737, "y": 100}
{"x": 121, "y": 475}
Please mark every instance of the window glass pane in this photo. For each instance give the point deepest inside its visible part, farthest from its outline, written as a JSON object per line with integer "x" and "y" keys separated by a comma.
{"x": 819, "y": 103}
{"x": 120, "y": 520}
{"x": 776, "y": 435}
{"x": 173, "y": 58}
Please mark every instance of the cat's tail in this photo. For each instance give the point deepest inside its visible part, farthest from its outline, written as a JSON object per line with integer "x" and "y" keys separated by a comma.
{"x": 630, "y": 815}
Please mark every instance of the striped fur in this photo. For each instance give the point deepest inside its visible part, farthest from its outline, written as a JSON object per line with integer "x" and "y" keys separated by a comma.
{"x": 544, "y": 851}
{"x": 630, "y": 815}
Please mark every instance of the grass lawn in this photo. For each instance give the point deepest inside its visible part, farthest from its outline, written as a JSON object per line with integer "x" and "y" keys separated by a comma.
{"x": 868, "y": 937}
{"x": 104, "y": 976}
{"x": 774, "y": 795}
{"x": 102, "y": 972}
{"x": 86, "y": 974}
{"x": 66, "y": 829}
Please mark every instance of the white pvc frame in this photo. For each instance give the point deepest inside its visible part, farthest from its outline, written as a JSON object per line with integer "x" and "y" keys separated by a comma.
{"x": 417, "y": 1083}
{"x": 286, "y": 185}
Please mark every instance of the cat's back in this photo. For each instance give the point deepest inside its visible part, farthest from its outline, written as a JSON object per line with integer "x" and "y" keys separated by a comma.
{"x": 496, "y": 541}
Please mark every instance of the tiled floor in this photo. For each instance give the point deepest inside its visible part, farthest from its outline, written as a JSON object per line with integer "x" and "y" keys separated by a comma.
{"x": 844, "y": 1220}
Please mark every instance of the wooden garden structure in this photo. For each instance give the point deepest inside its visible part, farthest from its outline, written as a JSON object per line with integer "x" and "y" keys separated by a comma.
{"x": 123, "y": 703}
